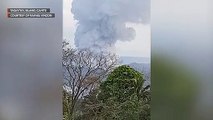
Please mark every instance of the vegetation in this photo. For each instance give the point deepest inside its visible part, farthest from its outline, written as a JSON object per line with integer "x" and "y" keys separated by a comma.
{"x": 121, "y": 97}
{"x": 96, "y": 88}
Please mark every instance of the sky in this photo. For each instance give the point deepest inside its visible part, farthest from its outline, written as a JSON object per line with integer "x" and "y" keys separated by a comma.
{"x": 139, "y": 47}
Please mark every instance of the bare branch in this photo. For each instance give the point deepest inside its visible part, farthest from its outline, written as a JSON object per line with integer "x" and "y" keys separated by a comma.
{"x": 84, "y": 69}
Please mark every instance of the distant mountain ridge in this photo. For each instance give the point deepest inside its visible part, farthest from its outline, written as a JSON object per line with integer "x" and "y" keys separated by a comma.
{"x": 128, "y": 59}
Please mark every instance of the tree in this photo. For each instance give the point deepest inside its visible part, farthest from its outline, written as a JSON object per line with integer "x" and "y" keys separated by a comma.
{"x": 125, "y": 87}
{"x": 66, "y": 105}
{"x": 122, "y": 83}
{"x": 83, "y": 70}
{"x": 121, "y": 96}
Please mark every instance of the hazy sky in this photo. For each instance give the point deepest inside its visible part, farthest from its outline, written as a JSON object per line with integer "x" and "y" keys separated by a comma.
{"x": 139, "y": 47}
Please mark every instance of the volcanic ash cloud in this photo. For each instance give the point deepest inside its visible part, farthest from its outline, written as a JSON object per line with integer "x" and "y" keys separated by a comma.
{"x": 102, "y": 22}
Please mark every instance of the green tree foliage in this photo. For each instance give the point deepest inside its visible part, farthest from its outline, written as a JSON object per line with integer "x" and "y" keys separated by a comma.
{"x": 66, "y": 106}
{"x": 121, "y": 96}
{"x": 121, "y": 84}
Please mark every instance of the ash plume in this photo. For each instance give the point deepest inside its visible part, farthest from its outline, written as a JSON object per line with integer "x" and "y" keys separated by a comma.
{"x": 103, "y": 22}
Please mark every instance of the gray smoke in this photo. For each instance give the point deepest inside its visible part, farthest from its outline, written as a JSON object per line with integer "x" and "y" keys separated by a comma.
{"x": 103, "y": 22}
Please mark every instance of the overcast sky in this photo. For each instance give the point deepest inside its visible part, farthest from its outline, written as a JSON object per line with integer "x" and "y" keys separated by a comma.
{"x": 139, "y": 47}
